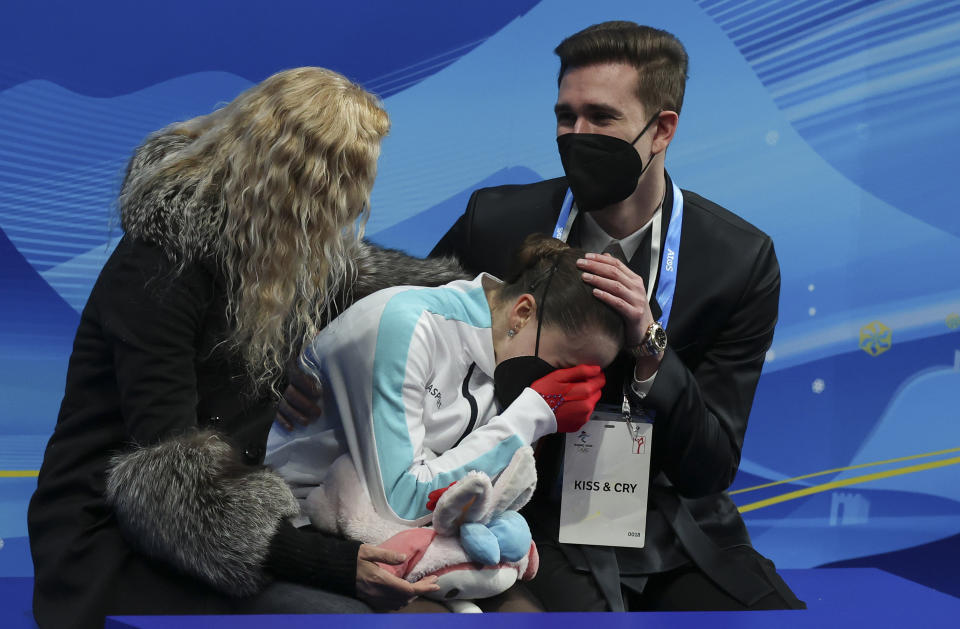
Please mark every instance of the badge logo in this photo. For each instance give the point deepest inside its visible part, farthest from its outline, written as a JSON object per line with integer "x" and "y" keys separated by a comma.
{"x": 582, "y": 443}
{"x": 639, "y": 444}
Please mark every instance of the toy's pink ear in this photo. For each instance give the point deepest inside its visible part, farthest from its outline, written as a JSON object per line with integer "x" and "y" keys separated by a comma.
{"x": 533, "y": 563}
{"x": 412, "y": 543}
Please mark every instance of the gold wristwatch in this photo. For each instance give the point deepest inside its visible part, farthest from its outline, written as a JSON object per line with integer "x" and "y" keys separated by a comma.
{"x": 654, "y": 342}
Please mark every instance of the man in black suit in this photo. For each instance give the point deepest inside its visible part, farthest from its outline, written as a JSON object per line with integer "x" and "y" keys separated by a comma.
{"x": 621, "y": 89}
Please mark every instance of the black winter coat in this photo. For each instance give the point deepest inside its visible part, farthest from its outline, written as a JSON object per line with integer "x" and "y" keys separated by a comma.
{"x": 148, "y": 364}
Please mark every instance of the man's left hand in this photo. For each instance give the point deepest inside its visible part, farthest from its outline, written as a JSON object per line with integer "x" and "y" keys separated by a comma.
{"x": 623, "y": 290}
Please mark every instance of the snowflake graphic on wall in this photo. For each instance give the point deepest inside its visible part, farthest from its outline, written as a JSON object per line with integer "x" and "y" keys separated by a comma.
{"x": 875, "y": 338}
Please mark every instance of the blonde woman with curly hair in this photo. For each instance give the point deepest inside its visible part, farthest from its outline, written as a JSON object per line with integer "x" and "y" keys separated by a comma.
{"x": 242, "y": 238}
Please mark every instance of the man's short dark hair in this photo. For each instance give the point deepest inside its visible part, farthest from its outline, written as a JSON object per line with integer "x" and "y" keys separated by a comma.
{"x": 658, "y": 56}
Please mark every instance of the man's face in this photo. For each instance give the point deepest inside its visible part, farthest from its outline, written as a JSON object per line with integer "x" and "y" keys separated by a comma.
{"x": 602, "y": 99}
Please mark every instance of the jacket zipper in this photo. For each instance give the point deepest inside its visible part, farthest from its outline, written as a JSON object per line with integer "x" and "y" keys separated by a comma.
{"x": 474, "y": 412}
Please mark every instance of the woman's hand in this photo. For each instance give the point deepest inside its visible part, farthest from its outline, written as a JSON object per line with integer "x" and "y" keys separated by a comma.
{"x": 572, "y": 394}
{"x": 382, "y": 590}
{"x": 301, "y": 402}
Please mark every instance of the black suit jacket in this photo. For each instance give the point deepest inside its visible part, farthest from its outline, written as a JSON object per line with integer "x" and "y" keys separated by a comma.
{"x": 721, "y": 326}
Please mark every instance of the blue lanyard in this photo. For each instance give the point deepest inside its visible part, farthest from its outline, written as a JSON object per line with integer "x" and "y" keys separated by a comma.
{"x": 564, "y": 220}
{"x": 670, "y": 260}
{"x": 667, "y": 284}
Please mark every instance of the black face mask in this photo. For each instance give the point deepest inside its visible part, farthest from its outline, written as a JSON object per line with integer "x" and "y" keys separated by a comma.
{"x": 601, "y": 169}
{"x": 515, "y": 374}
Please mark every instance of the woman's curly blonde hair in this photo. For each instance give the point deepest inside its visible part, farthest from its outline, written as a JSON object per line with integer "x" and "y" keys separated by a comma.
{"x": 275, "y": 187}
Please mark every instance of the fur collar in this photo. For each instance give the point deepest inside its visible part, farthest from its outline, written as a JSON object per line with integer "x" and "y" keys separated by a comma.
{"x": 166, "y": 212}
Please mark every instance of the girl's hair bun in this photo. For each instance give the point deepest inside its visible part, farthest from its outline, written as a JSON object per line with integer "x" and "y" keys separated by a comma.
{"x": 538, "y": 248}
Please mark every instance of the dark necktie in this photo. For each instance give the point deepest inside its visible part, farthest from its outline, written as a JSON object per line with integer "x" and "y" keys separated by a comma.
{"x": 616, "y": 251}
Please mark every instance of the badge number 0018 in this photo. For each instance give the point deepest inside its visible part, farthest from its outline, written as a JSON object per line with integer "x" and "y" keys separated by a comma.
{"x": 606, "y": 469}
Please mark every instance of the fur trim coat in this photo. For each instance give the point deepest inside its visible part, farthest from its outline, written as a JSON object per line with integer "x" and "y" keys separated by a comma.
{"x": 152, "y": 497}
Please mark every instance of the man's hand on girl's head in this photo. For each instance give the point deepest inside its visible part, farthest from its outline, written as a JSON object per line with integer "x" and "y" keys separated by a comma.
{"x": 616, "y": 285}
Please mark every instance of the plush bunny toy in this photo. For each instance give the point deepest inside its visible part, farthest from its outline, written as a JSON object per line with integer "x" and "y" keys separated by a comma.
{"x": 478, "y": 545}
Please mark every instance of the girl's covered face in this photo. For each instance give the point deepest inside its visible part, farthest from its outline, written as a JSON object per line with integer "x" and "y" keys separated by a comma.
{"x": 524, "y": 363}
{"x": 562, "y": 349}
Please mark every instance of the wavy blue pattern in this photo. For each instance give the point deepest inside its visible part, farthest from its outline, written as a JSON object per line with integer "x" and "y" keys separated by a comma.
{"x": 113, "y": 47}
{"x": 864, "y": 81}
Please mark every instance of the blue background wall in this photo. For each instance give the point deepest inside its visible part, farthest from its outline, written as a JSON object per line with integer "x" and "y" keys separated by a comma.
{"x": 832, "y": 125}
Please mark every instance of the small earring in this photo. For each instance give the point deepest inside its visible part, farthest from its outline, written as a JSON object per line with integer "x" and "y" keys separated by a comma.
{"x": 511, "y": 333}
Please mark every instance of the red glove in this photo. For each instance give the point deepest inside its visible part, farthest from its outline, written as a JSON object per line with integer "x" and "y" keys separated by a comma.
{"x": 434, "y": 496}
{"x": 572, "y": 394}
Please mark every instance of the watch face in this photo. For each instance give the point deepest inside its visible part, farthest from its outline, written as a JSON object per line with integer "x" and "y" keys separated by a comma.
{"x": 659, "y": 338}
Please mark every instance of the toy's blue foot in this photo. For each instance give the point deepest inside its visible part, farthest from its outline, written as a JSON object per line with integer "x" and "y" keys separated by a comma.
{"x": 480, "y": 543}
{"x": 513, "y": 535}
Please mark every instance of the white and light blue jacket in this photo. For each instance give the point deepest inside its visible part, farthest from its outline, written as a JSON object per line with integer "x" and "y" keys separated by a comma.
{"x": 407, "y": 375}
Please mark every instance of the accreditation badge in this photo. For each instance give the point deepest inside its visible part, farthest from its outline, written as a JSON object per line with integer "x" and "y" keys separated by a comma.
{"x": 606, "y": 472}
